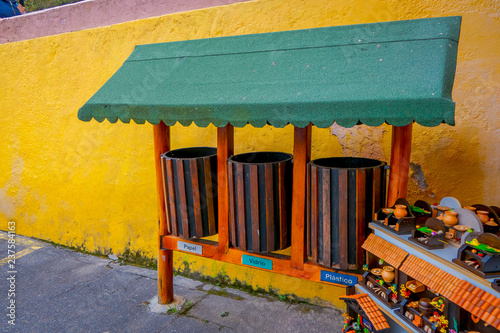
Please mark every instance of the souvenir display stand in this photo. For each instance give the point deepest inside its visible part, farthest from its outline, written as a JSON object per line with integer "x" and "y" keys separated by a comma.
{"x": 458, "y": 299}
{"x": 390, "y": 72}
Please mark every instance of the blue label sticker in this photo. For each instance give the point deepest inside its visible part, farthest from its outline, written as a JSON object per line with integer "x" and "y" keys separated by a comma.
{"x": 346, "y": 280}
{"x": 257, "y": 262}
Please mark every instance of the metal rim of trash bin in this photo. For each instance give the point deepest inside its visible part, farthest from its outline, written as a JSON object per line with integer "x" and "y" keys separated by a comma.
{"x": 191, "y": 152}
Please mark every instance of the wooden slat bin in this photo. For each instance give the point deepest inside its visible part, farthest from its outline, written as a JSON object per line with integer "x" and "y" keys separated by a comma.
{"x": 342, "y": 195}
{"x": 190, "y": 185}
{"x": 260, "y": 186}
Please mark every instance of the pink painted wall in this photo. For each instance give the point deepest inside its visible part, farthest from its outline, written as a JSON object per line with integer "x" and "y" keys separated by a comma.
{"x": 91, "y": 14}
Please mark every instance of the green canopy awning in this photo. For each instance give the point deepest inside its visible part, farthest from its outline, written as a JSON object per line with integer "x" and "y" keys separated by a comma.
{"x": 394, "y": 72}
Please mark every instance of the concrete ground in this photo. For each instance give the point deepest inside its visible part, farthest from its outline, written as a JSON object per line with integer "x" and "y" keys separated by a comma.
{"x": 59, "y": 290}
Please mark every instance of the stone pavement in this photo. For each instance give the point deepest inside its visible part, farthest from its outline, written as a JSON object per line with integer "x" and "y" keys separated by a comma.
{"x": 59, "y": 290}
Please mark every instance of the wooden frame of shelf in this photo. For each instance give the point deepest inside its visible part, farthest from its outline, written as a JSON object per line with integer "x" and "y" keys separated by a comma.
{"x": 388, "y": 312}
{"x": 440, "y": 257}
{"x": 281, "y": 264}
{"x": 385, "y": 290}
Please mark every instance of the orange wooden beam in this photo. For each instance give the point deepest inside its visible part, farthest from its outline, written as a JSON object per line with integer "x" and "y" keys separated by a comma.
{"x": 301, "y": 155}
{"x": 281, "y": 264}
{"x": 161, "y": 135}
{"x": 225, "y": 148}
{"x": 400, "y": 163}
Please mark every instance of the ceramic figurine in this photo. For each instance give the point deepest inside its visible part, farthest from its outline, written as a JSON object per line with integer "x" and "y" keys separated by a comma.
{"x": 472, "y": 209}
{"x": 483, "y": 215}
{"x": 491, "y": 226}
{"x": 388, "y": 210}
{"x": 400, "y": 211}
{"x": 450, "y": 218}
{"x": 442, "y": 209}
{"x": 492, "y": 223}
{"x": 388, "y": 274}
{"x": 425, "y": 306}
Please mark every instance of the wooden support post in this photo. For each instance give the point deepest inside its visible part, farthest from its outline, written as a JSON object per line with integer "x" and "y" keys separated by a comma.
{"x": 161, "y": 134}
{"x": 225, "y": 148}
{"x": 301, "y": 155}
{"x": 400, "y": 163}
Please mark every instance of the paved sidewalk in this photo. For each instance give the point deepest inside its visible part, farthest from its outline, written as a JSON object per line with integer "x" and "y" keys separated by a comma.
{"x": 59, "y": 290}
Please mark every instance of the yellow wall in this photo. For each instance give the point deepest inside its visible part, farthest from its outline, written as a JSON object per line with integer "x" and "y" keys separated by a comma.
{"x": 92, "y": 185}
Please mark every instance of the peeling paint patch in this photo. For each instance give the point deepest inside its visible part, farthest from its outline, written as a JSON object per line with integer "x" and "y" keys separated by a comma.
{"x": 7, "y": 205}
{"x": 361, "y": 141}
{"x": 11, "y": 196}
{"x": 418, "y": 177}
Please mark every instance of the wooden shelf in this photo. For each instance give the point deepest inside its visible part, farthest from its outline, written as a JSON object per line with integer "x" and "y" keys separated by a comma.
{"x": 388, "y": 312}
{"x": 441, "y": 258}
{"x": 408, "y": 322}
{"x": 384, "y": 290}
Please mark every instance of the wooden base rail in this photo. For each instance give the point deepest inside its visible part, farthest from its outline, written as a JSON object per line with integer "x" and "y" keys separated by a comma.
{"x": 274, "y": 263}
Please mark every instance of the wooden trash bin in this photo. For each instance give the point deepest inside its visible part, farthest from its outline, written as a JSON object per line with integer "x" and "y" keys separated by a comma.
{"x": 342, "y": 195}
{"x": 190, "y": 185}
{"x": 259, "y": 201}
